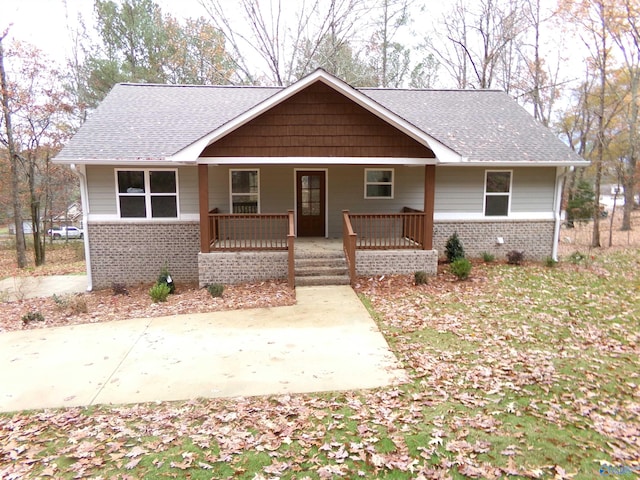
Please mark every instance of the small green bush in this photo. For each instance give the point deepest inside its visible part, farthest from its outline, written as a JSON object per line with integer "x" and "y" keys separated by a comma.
{"x": 577, "y": 257}
{"x": 420, "y": 277}
{"x": 32, "y": 317}
{"x": 159, "y": 292}
{"x": 550, "y": 262}
{"x": 454, "y": 248}
{"x": 165, "y": 278}
{"x": 461, "y": 268}
{"x": 61, "y": 302}
{"x": 515, "y": 257}
{"x": 488, "y": 257}
{"x": 215, "y": 290}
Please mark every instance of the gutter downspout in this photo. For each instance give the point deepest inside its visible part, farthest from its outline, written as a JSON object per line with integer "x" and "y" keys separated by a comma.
{"x": 557, "y": 210}
{"x": 84, "y": 200}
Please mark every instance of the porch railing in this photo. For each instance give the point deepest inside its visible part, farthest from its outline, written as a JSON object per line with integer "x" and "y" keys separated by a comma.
{"x": 388, "y": 231}
{"x": 349, "y": 239}
{"x": 247, "y": 231}
{"x": 255, "y": 232}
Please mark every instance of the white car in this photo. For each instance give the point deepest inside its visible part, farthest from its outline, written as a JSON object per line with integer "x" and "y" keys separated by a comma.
{"x": 66, "y": 232}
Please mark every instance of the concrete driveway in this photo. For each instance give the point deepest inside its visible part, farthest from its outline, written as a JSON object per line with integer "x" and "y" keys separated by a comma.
{"x": 16, "y": 288}
{"x": 327, "y": 341}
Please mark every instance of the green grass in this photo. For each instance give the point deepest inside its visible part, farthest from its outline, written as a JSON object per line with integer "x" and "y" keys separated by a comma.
{"x": 529, "y": 373}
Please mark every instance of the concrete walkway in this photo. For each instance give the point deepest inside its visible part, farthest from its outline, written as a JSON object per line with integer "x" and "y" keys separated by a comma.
{"x": 18, "y": 288}
{"x": 327, "y": 341}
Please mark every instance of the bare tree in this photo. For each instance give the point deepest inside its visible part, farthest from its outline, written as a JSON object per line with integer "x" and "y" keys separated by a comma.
{"x": 476, "y": 45}
{"x": 626, "y": 35}
{"x": 8, "y": 141}
{"x": 594, "y": 17}
{"x": 286, "y": 42}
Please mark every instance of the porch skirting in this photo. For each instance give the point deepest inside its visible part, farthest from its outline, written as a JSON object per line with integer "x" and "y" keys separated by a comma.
{"x": 533, "y": 237}
{"x": 239, "y": 267}
{"x": 386, "y": 262}
{"x": 133, "y": 253}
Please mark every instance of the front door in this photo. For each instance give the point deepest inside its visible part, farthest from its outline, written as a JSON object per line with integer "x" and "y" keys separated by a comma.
{"x": 310, "y": 203}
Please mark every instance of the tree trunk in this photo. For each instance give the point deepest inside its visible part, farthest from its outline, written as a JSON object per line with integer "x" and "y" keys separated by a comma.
{"x": 21, "y": 251}
{"x": 35, "y": 215}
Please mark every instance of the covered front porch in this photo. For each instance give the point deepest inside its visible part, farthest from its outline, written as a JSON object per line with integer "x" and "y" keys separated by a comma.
{"x": 251, "y": 246}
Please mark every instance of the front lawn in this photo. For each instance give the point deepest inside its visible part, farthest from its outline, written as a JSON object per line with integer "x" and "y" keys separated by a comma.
{"x": 520, "y": 372}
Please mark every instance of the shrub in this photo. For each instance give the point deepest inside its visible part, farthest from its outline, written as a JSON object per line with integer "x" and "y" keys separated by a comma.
{"x": 461, "y": 268}
{"x": 488, "y": 257}
{"x": 32, "y": 317}
{"x": 577, "y": 257}
{"x": 119, "y": 288}
{"x": 454, "y": 248}
{"x": 550, "y": 262}
{"x": 420, "y": 277}
{"x": 77, "y": 304}
{"x": 215, "y": 290}
{"x": 61, "y": 302}
{"x": 159, "y": 292}
{"x": 515, "y": 257}
{"x": 165, "y": 278}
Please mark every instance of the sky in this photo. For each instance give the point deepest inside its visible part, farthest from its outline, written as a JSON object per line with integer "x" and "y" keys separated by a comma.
{"x": 45, "y": 23}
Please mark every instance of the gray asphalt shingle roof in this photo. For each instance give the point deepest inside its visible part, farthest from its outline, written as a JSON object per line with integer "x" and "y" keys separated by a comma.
{"x": 143, "y": 121}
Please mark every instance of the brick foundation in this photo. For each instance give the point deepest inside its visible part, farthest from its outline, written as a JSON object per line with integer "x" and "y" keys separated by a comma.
{"x": 240, "y": 267}
{"x": 535, "y": 238}
{"x": 380, "y": 262}
{"x": 135, "y": 253}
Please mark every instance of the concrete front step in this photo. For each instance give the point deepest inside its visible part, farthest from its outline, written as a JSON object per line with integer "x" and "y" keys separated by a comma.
{"x": 321, "y": 271}
{"x": 321, "y": 268}
{"x": 309, "y": 263}
{"x": 315, "y": 281}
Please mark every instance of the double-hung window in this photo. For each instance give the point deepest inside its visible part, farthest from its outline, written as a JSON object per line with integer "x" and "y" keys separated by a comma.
{"x": 378, "y": 183}
{"x": 245, "y": 191}
{"x": 147, "y": 193}
{"x": 497, "y": 193}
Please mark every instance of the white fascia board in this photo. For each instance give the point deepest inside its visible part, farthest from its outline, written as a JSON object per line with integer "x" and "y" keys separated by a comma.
{"x": 514, "y": 164}
{"x": 156, "y": 162}
{"x": 192, "y": 152}
{"x": 316, "y": 161}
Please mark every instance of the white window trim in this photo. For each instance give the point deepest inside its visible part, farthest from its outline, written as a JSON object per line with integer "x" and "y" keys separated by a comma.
{"x": 496, "y": 194}
{"x": 147, "y": 193}
{"x": 393, "y": 181}
{"x": 231, "y": 194}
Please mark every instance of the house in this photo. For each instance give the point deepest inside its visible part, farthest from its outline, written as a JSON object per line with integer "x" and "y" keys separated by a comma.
{"x": 72, "y": 215}
{"x": 219, "y": 182}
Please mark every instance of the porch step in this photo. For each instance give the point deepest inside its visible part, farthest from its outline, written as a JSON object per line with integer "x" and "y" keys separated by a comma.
{"x": 328, "y": 268}
{"x": 322, "y": 280}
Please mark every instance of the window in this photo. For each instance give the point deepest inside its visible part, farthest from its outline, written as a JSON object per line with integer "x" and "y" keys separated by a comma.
{"x": 147, "y": 193}
{"x": 245, "y": 191}
{"x": 497, "y": 194}
{"x": 378, "y": 183}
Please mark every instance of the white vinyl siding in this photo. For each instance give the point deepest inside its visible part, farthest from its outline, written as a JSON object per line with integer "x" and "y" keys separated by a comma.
{"x": 533, "y": 190}
{"x": 460, "y": 190}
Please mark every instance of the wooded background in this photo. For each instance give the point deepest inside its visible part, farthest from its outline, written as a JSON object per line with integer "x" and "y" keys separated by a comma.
{"x": 574, "y": 64}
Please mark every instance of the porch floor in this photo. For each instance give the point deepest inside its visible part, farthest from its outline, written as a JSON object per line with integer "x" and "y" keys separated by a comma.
{"x": 317, "y": 246}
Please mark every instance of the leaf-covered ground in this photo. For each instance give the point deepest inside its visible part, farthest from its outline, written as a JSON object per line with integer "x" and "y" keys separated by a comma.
{"x": 520, "y": 372}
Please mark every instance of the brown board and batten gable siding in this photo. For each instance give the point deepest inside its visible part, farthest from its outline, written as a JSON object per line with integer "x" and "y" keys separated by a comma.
{"x": 317, "y": 122}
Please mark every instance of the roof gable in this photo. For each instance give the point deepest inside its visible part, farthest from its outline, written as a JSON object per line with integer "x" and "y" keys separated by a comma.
{"x": 191, "y": 152}
{"x": 317, "y": 121}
